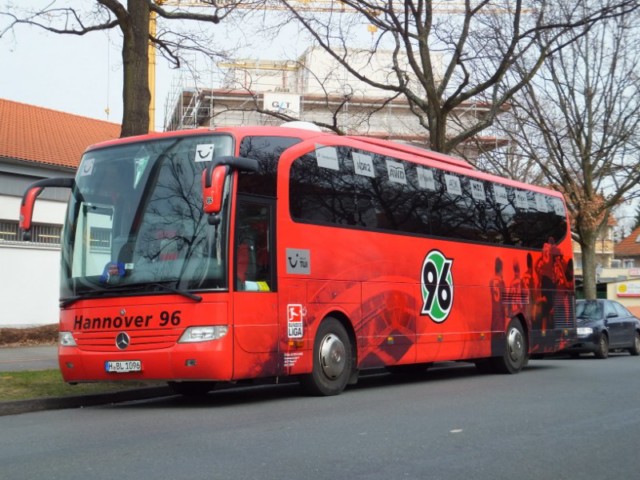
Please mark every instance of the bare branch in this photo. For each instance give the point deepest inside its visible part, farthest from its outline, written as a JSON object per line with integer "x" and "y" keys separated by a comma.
{"x": 448, "y": 57}
{"x": 579, "y": 120}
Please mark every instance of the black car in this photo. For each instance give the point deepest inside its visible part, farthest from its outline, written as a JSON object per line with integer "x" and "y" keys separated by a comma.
{"x": 605, "y": 325}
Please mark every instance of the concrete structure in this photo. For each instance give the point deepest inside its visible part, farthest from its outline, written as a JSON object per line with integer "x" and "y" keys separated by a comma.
{"x": 314, "y": 88}
{"x": 37, "y": 143}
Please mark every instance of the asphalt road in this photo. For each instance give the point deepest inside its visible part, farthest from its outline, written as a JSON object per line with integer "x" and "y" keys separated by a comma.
{"x": 14, "y": 359}
{"x": 560, "y": 419}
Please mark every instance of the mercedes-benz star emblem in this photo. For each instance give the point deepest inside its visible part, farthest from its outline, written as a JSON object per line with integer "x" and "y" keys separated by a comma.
{"x": 122, "y": 340}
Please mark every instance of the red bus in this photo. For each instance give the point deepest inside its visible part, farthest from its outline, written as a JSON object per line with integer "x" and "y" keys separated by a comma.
{"x": 234, "y": 254}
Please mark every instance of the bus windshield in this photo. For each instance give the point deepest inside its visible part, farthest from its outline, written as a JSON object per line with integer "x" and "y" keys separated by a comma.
{"x": 135, "y": 220}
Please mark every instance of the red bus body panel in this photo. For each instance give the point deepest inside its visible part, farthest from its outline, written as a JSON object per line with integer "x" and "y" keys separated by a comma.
{"x": 372, "y": 279}
{"x": 96, "y": 324}
{"x": 369, "y": 280}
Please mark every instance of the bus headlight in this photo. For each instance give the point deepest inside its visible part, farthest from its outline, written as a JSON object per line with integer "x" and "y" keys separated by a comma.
{"x": 65, "y": 339}
{"x": 203, "y": 334}
{"x": 584, "y": 331}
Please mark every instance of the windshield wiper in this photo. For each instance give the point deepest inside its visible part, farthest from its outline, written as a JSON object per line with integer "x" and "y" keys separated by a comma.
{"x": 69, "y": 301}
{"x": 184, "y": 293}
{"x": 129, "y": 288}
{"x": 99, "y": 293}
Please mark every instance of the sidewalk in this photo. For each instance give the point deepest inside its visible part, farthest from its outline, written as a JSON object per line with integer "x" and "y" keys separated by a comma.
{"x": 15, "y": 359}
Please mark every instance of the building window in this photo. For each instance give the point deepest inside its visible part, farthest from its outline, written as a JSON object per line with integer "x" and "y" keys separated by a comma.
{"x": 40, "y": 232}
{"x": 8, "y": 230}
{"x": 100, "y": 239}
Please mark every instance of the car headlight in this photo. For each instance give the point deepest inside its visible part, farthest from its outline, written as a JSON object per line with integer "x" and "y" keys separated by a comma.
{"x": 203, "y": 334}
{"x": 65, "y": 339}
{"x": 584, "y": 331}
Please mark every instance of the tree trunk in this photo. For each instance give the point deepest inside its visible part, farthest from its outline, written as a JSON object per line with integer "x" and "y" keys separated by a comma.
{"x": 588, "y": 247}
{"x": 438, "y": 132}
{"x": 135, "y": 57}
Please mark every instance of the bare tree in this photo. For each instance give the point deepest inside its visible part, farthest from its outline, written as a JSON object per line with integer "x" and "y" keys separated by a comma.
{"x": 579, "y": 121}
{"x": 509, "y": 161}
{"x": 133, "y": 20}
{"x": 446, "y": 56}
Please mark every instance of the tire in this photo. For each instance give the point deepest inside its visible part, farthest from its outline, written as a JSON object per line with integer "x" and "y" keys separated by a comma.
{"x": 602, "y": 351}
{"x": 332, "y": 360}
{"x": 191, "y": 389}
{"x": 635, "y": 349}
{"x": 516, "y": 350}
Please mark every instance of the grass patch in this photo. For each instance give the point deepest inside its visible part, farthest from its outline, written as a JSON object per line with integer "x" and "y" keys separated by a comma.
{"x": 49, "y": 383}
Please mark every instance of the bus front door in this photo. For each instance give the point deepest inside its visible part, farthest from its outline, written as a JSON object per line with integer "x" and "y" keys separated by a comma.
{"x": 255, "y": 299}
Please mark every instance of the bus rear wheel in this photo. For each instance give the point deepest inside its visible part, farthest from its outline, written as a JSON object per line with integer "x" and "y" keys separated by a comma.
{"x": 516, "y": 350}
{"x": 332, "y": 360}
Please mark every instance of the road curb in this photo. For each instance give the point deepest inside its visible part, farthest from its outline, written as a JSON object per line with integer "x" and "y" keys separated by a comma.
{"x": 58, "y": 403}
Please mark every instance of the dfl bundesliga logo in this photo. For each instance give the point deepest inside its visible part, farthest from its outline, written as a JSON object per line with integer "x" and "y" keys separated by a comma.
{"x": 437, "y": 286}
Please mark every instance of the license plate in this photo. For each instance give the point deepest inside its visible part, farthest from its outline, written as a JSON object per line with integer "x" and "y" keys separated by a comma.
{"x": 123, "y": 366}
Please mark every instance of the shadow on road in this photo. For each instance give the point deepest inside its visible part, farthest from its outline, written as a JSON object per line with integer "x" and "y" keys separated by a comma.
{"x": 234, "y": 395}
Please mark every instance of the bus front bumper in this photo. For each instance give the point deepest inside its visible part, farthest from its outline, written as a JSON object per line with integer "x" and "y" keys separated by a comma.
{"x": 203, "y": 361}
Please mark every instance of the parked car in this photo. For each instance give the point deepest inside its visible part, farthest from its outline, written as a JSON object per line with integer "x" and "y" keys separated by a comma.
{"x": 605, "y": 325}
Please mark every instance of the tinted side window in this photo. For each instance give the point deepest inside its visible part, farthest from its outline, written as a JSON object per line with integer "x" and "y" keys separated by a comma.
{"x": 267, "y": 151}
{"x": 355, "y": 188}
{"x": 621, "y": 310}
{"x": 609, "y": 310}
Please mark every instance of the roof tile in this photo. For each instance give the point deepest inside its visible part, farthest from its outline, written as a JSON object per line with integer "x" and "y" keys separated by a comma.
{"x": 629, "y": 246}
{"x": 41, "y": 135}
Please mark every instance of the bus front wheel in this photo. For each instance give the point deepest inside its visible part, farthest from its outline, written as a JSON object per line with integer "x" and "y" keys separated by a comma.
{"x": 332, "y": 360}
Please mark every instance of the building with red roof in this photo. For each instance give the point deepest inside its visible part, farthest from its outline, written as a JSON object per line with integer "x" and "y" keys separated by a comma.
{"x": 628, "y": 250}
{"x": 36, "y": 135}
{"x": 37, "y": 143}
{"x": 40, "y": 143}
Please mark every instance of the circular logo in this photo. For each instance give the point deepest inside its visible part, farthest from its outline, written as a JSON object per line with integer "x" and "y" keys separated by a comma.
{"x": 122, "y": 340}
{"x": 437, "y": 286}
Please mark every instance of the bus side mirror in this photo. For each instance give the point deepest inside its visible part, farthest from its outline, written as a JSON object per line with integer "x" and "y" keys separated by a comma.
{"x": 26, "y": 211}
{"x": 212, "y": 188}
{"x": 29, "y": 200}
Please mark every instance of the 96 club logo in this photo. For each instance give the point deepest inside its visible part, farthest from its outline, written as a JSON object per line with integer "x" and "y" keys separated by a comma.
{"x": 437, "y": 286}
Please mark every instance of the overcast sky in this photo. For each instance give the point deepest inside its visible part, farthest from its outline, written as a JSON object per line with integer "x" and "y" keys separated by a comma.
{"x": 83, "y": 74}
{"x": 80, "y": 75}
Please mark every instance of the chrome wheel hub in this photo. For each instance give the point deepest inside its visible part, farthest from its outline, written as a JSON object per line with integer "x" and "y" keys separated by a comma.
{"x": 332, "y": 356}
{"x": 515, "y": 345}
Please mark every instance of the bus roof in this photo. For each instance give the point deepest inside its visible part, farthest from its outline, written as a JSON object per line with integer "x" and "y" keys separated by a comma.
{"x": 278, "y": 131}
{"x": 293, "y": 130}
{"x": 415, "y": 150}
{"x": 308, "y": 134}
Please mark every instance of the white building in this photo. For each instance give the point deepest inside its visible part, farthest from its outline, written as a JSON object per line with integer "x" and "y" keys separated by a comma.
{"x": 315, "y": 88}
